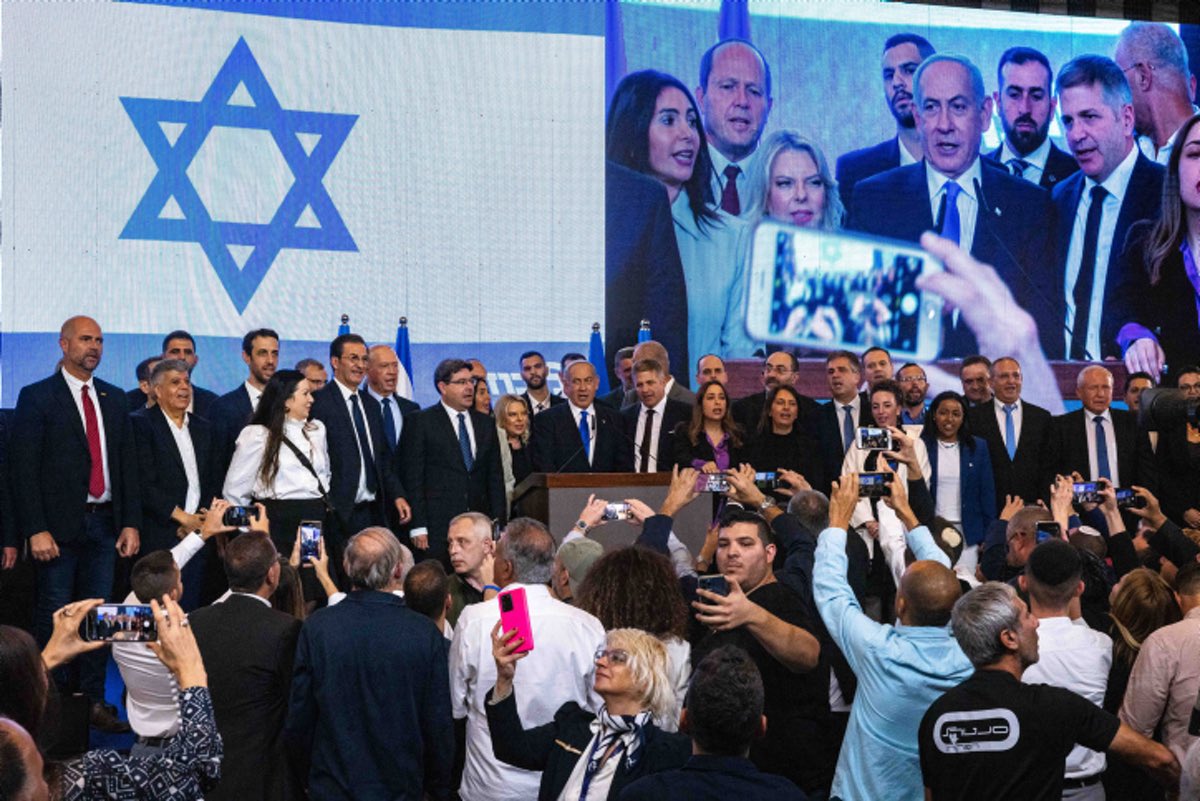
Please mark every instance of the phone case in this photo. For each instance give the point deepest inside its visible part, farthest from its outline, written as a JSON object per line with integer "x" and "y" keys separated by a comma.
{"x": 514, "y": 614}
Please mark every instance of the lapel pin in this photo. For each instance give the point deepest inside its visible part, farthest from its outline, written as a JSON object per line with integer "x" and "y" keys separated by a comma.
{"x": 997, "y": 212}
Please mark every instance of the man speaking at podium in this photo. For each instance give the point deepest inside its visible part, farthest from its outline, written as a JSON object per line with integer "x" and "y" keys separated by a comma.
{"x": 579, "y": 436}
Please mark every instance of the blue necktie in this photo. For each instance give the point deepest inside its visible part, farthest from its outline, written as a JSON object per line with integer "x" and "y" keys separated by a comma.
{"x": 364, "y": 444}
{"x": 951, "y": 224}
{"x": 847, "y": 427}
{"x": 1010, "y": 431}
{"x": 585, "y": 434}
{"x": 1102, "y": 468}
{"x": 389, "y": 425}
{"x": 464, "y": 442}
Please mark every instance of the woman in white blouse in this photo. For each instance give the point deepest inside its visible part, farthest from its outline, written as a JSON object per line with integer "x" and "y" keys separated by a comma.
{"x": 267, "y": 464}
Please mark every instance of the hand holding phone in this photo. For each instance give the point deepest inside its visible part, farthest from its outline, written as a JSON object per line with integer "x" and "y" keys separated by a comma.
{"x": 715, "y": 583}
{"x": 514, "y": 614}
{"x": 120, "y": 623}
{"x": 874, "y": 439}
{"x": 310, "y": 540}
{"x": 239, "y": 516}
{"x": 712, "y": 482}
{"x": 875, "y": 485}
{"x": 1087, "y": 492}
{"x": 617, "y": 511}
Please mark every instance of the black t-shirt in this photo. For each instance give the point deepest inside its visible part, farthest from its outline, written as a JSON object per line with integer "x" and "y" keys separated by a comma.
{"x": 993, "y": 737}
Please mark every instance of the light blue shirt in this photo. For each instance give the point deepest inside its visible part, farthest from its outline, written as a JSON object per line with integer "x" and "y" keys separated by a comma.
{"x": 901, "y": 670}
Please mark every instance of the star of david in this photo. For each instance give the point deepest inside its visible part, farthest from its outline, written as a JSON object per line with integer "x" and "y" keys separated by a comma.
{"x": 196, "y": 224}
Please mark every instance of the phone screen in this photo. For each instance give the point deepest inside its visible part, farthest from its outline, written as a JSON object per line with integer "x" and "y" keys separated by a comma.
{"x": 121, "y": 623}
{"x": 1048, "y": 530}
{"x": 712, "y": 482}
{"x": 310, "y": 539}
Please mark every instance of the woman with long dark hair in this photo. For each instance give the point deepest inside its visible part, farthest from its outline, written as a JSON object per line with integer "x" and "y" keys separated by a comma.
{"x": 783, "y": 443}
{"x": 711, "y": 441}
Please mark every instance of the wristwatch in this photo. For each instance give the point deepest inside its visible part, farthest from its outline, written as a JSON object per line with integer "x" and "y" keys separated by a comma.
{"x": 581, "y": 525}
{"x": 767, "y": 503}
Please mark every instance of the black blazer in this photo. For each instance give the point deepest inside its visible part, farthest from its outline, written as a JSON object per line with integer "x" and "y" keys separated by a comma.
{"x": 1134, "y": 461}
{"x": 555, "y": 747}
{"x": 229, "y": 414}
{"x": 829, "y": 433}
{"x": 1059, "y": 165}
{"x": 9, "y": 535}
{"x": 685, "y": 452}
{"x": 858, "y": 165}
{"x": 555, "y": 400}
{"x": 1143, "y": 199}
{"x": 674, "y": 413}
{"x": 438, "y": 482}
{"x": 1030, "y": 472}
{"x": 1012, "y": 233}
{"x": 49, "y": 443}
{"x": 202, "y": 400}
{"x": 136, "y": 399}
{"x": 556, "y": 446}
{"x": 164, "y": 481}
{"x": 248, "y": 651}
{"x": 345, "y": 461}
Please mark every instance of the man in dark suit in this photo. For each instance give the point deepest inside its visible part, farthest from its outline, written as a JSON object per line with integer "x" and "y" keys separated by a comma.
{"x": 780, "y": 368}
{"x": 677, "y": 390}
{"x": 76, "y": 491}
{"x": 643, "y": 275}
{"x": 181, "y": 345}
{"x": 140, "y": 396}
{"x": 230, "y": 413}
{"x": 537, "y": 395}
{"x": 1115, "y": 187}
{"x": 902, "y": 54}
{"x": 1098, "y": 441}
{"x": 1017, "y": 435}
{"x": 366, "y": 671}
{"x": 1026, "y": 107}
{"x": 450, "y": 461}
{"x": 837, "y": 425}
{"x": 999, "y": 219}
{"x": 248, "y": 651}
{"x": 383, "y": 374}
{"x": 559, "y": 443}
{"x": 649, "y": 424}
{"x": 363, "y": 481}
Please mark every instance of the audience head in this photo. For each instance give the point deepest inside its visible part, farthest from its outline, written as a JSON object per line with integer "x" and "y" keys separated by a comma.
{"x": 745, "y": 549}
{"x": 1135, "y": 385}
{"x": 427, "y": 590}
{"x": 1141, "y": 603}
{"x": 843, "y": 374}
{"x": 252, "y": 564}
{"x": 512, "y": 417}
{"x": 991, "y": 623}
{"x": 913, "y": 384}
{"x": 781, "y": 410}
{"x": 1053, "y": 577}
{"x": 1187, "y": 381}
{"x": 572, "y": 564}
{"x": 953, "y": 112}
{"x": 180, "y": 345}
{"x": 171, "y": 383}
{"x": 24, "y": 682}
{"x": 1154, "y": 60}
{"x": 1094, "y": 385}
{"x": 482, "y": 402}
{"x": 1021, "y": 534}
{"x": 1006, "y": 379}
{"x": 795, "y": 183}
{"x": 1096, "y": 107}
{"x": 902, "y": 55}
{"x": 1025, "y": 99}
{"x": 811, "y": 508}
{"x": 288, "y": 597}
{"x": 947, "y": 420}
{"x": 452, "y": 377}
{"x": 631, "y": 668}
{"x": 635, "y": 588}
{"x": 579, "y": 383}
{"x": 877, "y": 364}
{"x": 314, "y": 371}
{"x": 533, "y": 370}
{"x": 525, "y": 553}
{"x": 1187, "y": 587}
{"x": 383, "y": 370}
{"x": 650, "y": 381}
{"x": 469, "y": 540}
{"x": 712, "y": 405}
{"x": 82, "y": 344}
{"x": 780, "y": 369}
{"x": 928, "y": 591}
{"x": 885, "y": 402}
{"x": 569, "y": 358}
{"x": 723, "y": 712}
{"x": 21, "y": 765}
{"x": 973, "y": 373}
{"x": 260, "y": 352}
{"x": 623, "y": 366}
{"x": 710, "y": 367}
{"x": 155, "y": 575}
{"x": 374, "y": 560}
{"x": 348, "y": 358}
{"x": 735, "y": 96}
{"x": 652, "y": 349}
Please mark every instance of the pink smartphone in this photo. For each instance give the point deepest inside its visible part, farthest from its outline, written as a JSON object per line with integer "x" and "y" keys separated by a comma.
{"x": 514, "y": 614}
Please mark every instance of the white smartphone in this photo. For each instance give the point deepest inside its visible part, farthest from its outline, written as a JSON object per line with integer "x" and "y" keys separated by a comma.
{"x": 827, "y": 290}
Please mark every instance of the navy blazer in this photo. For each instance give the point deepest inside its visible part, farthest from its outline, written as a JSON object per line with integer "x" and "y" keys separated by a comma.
{"x": 1012, "y": 233}
{"x": 164, "y": 481}
{"x": 407, "y": 409}
{"x": 1135, "y": 462}
{"x": 9, "y": 536}
{"x": 713, "y": 778}
{"x": 49, "y": 443}
{"x": 1143, "y": 200}
{"x": 674, "y": 413}
{"x": 1030, "y": 472}
{"x": 370, "y": 671}
{"x": 858, "y": 165}
{"x": 1059, "y": 165}
{"x": 829, "y": 433}
{"x": 229, "y": 414}
{"x": 976, "y": 488}
{"x": 556, "y": 447}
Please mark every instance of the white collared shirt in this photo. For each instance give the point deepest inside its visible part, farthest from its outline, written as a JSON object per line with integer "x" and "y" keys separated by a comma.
{"x": 558, "y": 669}
{"x": 1116, "y": 184}
{"x": 466, "y": 416}
{"x": 76, "y": 386}
{"x": 1035, "y": 161}
{"x": 968, "y": 204}
{"x": 591, "y": 417}
{"x": 655, "y": 436}
{"x": 362, "y": 495}
{"x": 906, "y": 157}
{"x": 255, "y": 395}
{"x": 1018, "y": 415}
{"x": 855, "y": 412}
{"x": 747, "y": 196}
{"x": 392, "y": 408}
{"x": 293, "y": 481}
{"x": 1110, "y": 439}
{"x": 949, "y": 486}
{"x": 1160, "y": 155}
{"x": 187, "y": 453}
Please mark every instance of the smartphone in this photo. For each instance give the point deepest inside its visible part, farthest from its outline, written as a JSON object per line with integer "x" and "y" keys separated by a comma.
{"x": 766, "y": 481}
{"x": 874, "y": 485}
{"x": 1128, "y": 499}
{"x": 310, "y": 539}
{"x": 716, "y": 584}
{"x": 514, "y": 614}
{"x": 828, "y": 290}
{"x": 1048, "y": 530}
{"x": 617, "y": 511}
{"x": 239, "y": 516}
{"x": 120, "y": 623}
{"x": 874, "y": 439}
{"x": 1087, "y": 492}
{"x": 712, "y": 482}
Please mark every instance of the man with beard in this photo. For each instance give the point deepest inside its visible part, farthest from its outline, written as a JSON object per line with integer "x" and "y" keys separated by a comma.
{"x": 779, "y": 368}
{"x": 537, "y": 395}
{"x": 902, "y": 54}
{"x": 1026, "y": 107}
{"x": 914, "y": 385}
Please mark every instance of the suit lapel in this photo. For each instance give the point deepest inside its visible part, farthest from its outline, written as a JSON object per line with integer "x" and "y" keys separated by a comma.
{"x": 450, "y": 431}
{"x": 159, "y": 420}
{"x": 67, "y": 408}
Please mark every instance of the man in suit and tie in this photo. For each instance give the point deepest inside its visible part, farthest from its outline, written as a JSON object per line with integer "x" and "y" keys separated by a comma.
{"x": 676, "y": 390}
{"x": 1155, "y": 62}
{"x": 902, "y": 54}
{"x": 1017, "y": 435}
{"x": 1026, "y": 106}
{"x": 248, "y": 651}
{"x": 181, "y": 345}
{"x": 537, "y": 395}
{"x": 1098, "y": 441}
{"x": 1115, "y": 187}
{"x": 383, "y": 374}
{"x": 230, "y": 413}
{"x": 450, "y": 457}
{"x": 650, "y": 423}
{"x": 839, "y": 420}
{"x": 363, "y": 482}
{"x": 998, "y": 219}
{"x": 580, "y": 436}
{"x": 76, "y": 492}
{"x": 780, "y": 368}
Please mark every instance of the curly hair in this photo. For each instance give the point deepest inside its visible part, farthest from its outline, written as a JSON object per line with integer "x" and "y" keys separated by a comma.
{"x": 635, "y": 588}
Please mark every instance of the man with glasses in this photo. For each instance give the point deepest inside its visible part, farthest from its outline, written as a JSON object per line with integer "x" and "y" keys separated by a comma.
{"x": 1179, "y": 496}
{"x": 913, "y": 386}
{"x": 780, "y": 369}
{"x": 1155, "y": 62}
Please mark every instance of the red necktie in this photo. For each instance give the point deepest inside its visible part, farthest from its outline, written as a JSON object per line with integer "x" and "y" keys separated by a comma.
{"x": 730, "y": 201}
{"x": 96, "y": 479}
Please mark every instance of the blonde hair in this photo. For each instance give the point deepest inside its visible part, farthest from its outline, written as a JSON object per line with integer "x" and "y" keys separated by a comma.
{"x": 648, "y": 664}
{"x": 1144, "y": 604}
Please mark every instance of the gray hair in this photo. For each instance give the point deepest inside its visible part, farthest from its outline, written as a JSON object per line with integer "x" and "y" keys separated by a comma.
{"x": 481, "y": 524}
{"x": 812, "y": 509}
{"x": 530, "y": 547}
{"x": 372, "y": 556}
{"x": 980, "y": 616}
{"x": 1157, "y": 44}
{"x": 159, "y": 373}
{"x": 972, "y": 71}
{"x": 1082, "y": 375}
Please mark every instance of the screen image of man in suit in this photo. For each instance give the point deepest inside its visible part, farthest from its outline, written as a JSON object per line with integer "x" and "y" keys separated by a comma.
{"x": 450, "y": 457}
{"x": 230, "y": 413}
{"x": 1017, "y": 434}
{"x": 76, "y": 492}
{"x": 580, "y": 436}
{"x": 1026, "y": 106}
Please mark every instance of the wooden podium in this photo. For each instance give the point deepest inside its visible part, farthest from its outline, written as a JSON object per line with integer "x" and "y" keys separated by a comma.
{"x": 556, "y": 499}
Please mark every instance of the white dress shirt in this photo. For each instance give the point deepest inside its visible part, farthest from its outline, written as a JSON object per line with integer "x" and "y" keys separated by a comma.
{"x": 1018, "y": 415}
{"x": 1035, "y": 161}
{"x": 466, "y": 413}
{"x": 1116, "y": 184}
{"x": 76, "y": 386}
{"x": 392, "y": 408}
{"x": 558, "y": 669}
{"x": 655, "y": 436}
{"x": 968, "y": 203}
{"x": 1110, "y": 439}
{"x": 187, "y": 453}
{"x": 255, "y": 395}
{"x": 1077, "y": 658}
{"x": 1160, "y": 155}
{"x": 591, "y": 418}
{"x": 293, "y": 481}
{"x": 949, "y": 488}
{"x": 362, "y": 495}
{"x": 748, "y": 199}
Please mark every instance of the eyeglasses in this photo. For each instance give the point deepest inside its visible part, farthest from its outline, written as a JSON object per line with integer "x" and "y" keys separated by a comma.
{"x": 912, "y": 379}
{"x": 461, "y": 382}
{"x": 614, "y": 656}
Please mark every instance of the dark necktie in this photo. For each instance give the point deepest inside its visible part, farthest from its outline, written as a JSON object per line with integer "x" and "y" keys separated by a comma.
{"x": 92, "y": 428}
{"x": 1087, "y": 276}
{"x": 847, "y": 426}
{"x": 644, "y": 451}
{"x": 364, "y": 444}
{"x": 1010, "y": 431}
{"x": 1018, "y": 167}
{"x": 389, "y": 425}
{"x": 730, "y": 201}
{"x": 464, "y": 442}
{"x": 951, "y": 223}
{"x": 585, "y": 434}
{"x": 1102, "y": 468}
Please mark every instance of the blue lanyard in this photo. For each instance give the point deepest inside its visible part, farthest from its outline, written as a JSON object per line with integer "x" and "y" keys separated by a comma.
{"x": 593, "y": 764}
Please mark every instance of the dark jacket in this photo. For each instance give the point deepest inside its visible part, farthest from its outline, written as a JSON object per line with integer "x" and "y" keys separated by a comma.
{"x": 1029, "y": 473}
{"x": 674, "y": 413}
{"x": 1059, "y": 165}
{"x": 556, "y": 446}
{"x": 164, "y": 482}
{"x": 685, "y": 452}
{"x": 858, "y": 165}
{"x": 229, "y": 414}
{"x": 1135, "y": 465}
{"x": 713, "y": 778}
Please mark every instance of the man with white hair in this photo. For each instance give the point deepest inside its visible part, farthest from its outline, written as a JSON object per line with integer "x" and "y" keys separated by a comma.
{"x": 1155, "y": 63}
{"x": 1099, "y": 441}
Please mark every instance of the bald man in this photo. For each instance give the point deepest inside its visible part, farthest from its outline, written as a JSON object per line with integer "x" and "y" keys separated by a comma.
{"x": 650, "y": 349}
{"x": 76, "y": 492}
{"x": 901, "y": 669}
{"x": 1155, "y": 62}
{"x": 383, "y": 374}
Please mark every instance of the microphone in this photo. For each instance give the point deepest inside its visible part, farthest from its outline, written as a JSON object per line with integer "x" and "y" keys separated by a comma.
{"x": 599, "y": 422}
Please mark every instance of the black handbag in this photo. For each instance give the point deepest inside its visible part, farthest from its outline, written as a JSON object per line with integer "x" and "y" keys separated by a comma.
{"x": 304, "y": 460}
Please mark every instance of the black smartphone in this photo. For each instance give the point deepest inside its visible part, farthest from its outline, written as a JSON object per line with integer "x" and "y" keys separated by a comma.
{"x": 874, "y": 485}
{"x": 766, "y": 481}
{"x": 874, "y": 439}
{"x": 239, "y": 516}
{"x": 1128, "y": 499}
{"x": 617, "y": 511}
{"x": 1048, "y": 530}
{"x": 1087, "y": 492}
{"x": 120, "y": 623}
{"x": 310, "y": 539}
{"x": 716, "y": 584}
